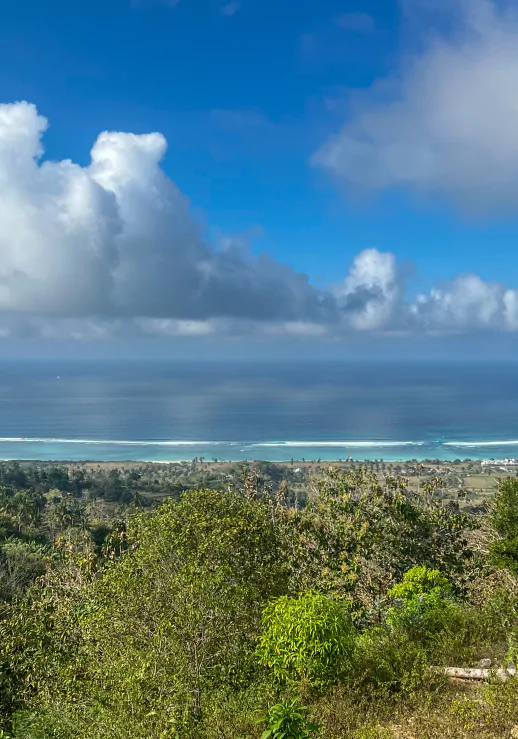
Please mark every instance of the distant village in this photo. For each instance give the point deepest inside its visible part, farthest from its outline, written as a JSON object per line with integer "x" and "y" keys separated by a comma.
{"x": 499, "y": 463}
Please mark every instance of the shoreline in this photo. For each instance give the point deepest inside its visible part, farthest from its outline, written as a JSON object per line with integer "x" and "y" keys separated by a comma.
{"x": 444, "y": 451}
{"x": 302, "y": 462}
{"x": 211, "y": 455}
{"x": 486, "y": 461}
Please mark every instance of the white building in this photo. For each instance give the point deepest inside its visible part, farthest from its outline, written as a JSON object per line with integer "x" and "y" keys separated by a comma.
{"x": 499, "y": 463}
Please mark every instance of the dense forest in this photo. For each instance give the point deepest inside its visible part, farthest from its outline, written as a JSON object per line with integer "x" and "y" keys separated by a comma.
{"x": 207, "y": 602}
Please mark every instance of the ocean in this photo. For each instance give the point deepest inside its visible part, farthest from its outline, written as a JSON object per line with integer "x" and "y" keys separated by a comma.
{"x": 276, "y": 411}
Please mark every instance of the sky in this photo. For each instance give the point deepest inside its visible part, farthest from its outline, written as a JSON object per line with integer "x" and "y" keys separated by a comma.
{"x": 259, "y": 178}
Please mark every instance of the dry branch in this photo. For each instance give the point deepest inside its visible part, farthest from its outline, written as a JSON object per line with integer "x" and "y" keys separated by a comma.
{"x": 478, "y": 673}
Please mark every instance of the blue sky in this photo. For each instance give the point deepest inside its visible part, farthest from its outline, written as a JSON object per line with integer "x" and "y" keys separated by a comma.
{"x": 315, "y": 131}
{"x": 243, "y": 102}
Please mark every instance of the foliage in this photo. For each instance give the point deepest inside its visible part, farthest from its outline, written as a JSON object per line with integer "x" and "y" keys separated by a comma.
{"x": 359, "y": 536}
{"x": 288, "y": 720}
{"x": 420, "y": 581}
{"x": 21, "y": 563}
{"x": 504, "y": 518}
{"x": 306, "y": 638}
{"x": 175, "y": 615}
{"x": 387, "y": 663}
{"x": 123, "y": 615}
{"x": 422, "y": 603}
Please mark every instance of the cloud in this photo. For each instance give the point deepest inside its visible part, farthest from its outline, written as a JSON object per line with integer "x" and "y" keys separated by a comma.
{"x": 117, "y": 238}
{"x": 358, "y": 22}
{"x": 370, "y": 293}
{"x": 230, "y": 9}
{"x": 447, "y": 123}
{"x": 468, "y": 303}
{"x": 112, "y": 249}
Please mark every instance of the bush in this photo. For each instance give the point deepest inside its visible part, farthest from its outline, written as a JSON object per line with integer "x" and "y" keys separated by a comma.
{"x": 388, "y": 663}
{"x": 139, "y": 648}
{"x": 504, "y": 518}
{"x": 419, "y": 581}
{"x": 288, "y": 720}
{"x": 471, "y": 633}
{"x": 423, "y": 603}
{"x": 306, "y": 638}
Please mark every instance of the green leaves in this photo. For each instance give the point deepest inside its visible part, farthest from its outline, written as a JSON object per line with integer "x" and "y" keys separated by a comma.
{"x": 308, "y": 637}
{"x": 423, "y": 603}
{"x": 161, "y": 631}
{"x": 358, "y": 536}
{"x": 172, "y": 618}
{"x": 420, "y": 581}
{"x": 288, "y": 720}
{"x": 504, "y": 518}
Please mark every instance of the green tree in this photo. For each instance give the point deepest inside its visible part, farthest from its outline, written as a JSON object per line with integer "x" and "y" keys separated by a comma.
{"x": 504, "y": 518}
{"x": 136, "y": 649}
{"x": 306, "y": 638}
{"x": 357, "y": 536}
{"x": 423, "y": 603}
{"x": 21, "y": 563}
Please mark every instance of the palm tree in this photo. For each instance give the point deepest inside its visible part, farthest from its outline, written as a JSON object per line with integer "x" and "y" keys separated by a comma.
{"x": 138, "y": 499}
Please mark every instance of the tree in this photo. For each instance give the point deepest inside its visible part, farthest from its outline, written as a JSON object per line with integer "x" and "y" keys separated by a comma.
{"x": 356, "y": 537}
{"x": 135, "y": 649}
{"x": 306, "y": 638}
{"x": 504, "y": 519}
{"x": 20, "y": 564}
{"x": 64, "y": 512}
{"x": 423, "y": 602}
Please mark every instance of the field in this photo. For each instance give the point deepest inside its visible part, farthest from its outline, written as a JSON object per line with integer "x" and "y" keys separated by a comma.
{"x": 468, "y": 483}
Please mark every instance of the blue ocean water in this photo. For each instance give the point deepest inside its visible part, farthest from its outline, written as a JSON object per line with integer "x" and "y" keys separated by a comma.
{"x": 172, "y": 411}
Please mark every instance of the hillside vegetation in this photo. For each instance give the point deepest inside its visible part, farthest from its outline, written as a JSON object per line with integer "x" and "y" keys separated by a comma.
{"x": 134, "y": 606}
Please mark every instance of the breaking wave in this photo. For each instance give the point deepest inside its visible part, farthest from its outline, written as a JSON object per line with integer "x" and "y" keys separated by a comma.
{"x": 55, "y": 448}
{"x": 329, "y": 444}
{"x": 470, "y": 444}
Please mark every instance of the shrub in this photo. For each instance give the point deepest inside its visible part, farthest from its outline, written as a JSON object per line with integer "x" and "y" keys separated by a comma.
{"x": 470, "y": 633}
{"x": 504, "y": 518}
{"x": 387, "y": 663}
{"x": 306, "y": 638}
{"x": 423, "y": 603}
{"x": 420, "y": 581}
{"x": 139, "y": 648}
{"x": 287, "y": 720}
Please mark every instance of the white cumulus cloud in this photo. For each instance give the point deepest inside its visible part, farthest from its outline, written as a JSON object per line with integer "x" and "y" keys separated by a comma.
{"x": 117, "y": 238}
{"x": 370, "y": 293}
{"x": 113, "y": 249}
{"x": 468, "y": 303}
{"x": 447, "y": 122}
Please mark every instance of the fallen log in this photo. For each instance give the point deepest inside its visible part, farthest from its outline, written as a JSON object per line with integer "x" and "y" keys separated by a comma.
{"x": 479, "y": 673}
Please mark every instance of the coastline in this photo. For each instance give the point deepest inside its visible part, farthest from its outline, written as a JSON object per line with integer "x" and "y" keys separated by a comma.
{"x": 467, "y": 484}
{"x": 406, "y": 467}
{"x": 282, "y": 452}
